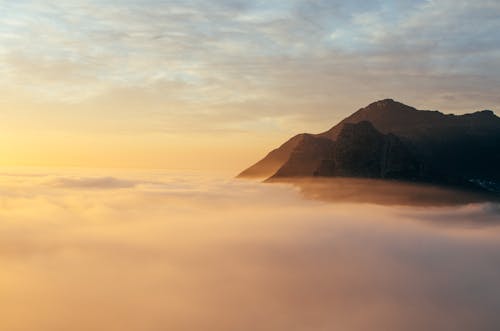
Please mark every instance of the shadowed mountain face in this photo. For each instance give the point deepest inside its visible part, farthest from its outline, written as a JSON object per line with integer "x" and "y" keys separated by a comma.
{"x": 388, "y": 139}
{"x": 307, "y": 156}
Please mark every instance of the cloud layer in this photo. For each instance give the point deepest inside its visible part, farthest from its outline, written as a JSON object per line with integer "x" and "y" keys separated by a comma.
{"x": 180, "y": 251}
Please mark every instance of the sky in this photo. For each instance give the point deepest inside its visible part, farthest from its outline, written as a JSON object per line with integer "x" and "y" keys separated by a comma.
{"x": 217, "y": 84}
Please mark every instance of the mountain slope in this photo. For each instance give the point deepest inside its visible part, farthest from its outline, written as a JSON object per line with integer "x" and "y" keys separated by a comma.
{"x": 306, "y": 157}
{"x": 272, "y": 161}
{"x": 359, "y": 151}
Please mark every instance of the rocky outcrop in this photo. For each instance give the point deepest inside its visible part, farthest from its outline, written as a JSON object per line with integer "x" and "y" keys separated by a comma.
{"x": 362, "y": 151}
{"x": 306, "y": 158}
{"x": 359, "y": 151}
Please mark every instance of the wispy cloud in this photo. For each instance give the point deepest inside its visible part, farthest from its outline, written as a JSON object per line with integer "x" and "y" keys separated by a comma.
{"x": 92, "y": 183}
{"x": 285, "y": 61}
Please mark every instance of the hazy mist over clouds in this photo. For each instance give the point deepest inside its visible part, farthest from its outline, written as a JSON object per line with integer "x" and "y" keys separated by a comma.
{"x": 173, "y": 251}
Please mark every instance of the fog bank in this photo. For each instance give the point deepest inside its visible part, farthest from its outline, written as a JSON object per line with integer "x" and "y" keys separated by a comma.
{"x": 174, "y": 251}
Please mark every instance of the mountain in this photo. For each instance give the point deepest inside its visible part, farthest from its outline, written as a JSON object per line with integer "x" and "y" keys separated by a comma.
{"x": 388, "y": 139}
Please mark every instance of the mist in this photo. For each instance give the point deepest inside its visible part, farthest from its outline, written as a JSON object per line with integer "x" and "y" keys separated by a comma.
{"x": 186, "y": 251}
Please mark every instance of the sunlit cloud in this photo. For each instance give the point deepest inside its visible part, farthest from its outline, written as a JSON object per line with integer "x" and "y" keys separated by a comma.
{"x": 92, "y": 183}
{"x": 249, "y": 49}
{"x": 190, "y": 252}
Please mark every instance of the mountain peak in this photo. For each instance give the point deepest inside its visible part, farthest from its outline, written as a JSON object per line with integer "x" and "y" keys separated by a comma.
{"x": 387, "y": 104}
{"x": 383, "y": 102}
{"x": 383, "y": 114}
{"x": 486, "y": 113}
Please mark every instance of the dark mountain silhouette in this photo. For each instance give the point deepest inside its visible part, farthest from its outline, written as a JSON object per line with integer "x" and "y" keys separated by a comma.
{"x": 388, "y": 139}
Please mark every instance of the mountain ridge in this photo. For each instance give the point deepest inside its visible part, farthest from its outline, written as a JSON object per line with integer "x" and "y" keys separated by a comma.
{"x": 437, "y": 147}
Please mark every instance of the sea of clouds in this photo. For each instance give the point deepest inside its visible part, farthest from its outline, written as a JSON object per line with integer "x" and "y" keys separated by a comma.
{"x": 136, "y": 251}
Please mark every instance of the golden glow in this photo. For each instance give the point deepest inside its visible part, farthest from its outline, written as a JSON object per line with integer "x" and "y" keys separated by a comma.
{"x": 172, "y": 151}
{"x": 120, "y": 134}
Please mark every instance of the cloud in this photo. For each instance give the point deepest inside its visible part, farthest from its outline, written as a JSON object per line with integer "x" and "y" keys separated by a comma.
{"x": 189, "y": 252}
{"x": 276, "y": 53}
{"x": 92, "y": 183}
